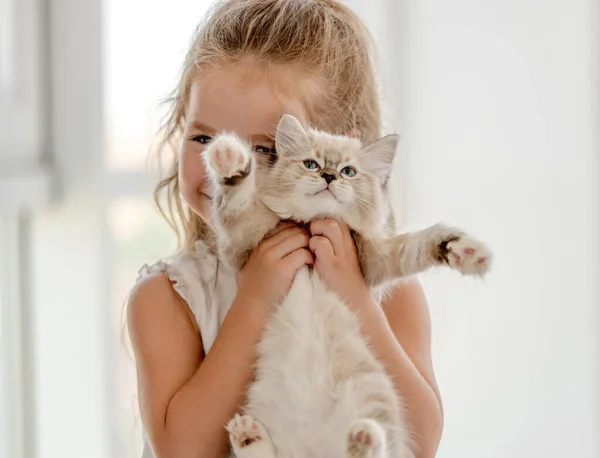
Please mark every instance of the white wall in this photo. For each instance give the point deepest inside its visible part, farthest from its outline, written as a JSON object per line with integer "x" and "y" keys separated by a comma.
{"x": 502, "y": 139}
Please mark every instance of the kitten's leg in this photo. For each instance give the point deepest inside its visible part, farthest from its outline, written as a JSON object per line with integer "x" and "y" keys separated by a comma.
{"x": 241, "y": 219}
{"x": 366, "y": 439}
{"x": 378, "y": 428}
{"x": 414, "y": 252}
{"x": 249, "y": 439}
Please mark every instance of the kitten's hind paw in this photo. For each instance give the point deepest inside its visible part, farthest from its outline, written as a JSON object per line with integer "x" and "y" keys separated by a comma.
{"x": 366, "y": 439}
{"x": 228, "y": 159}
{"x": 248, "y": 438}
{"x": 468, "y": 256}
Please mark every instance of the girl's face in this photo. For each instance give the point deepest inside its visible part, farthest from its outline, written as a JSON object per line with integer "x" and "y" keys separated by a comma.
{"x": 234, "y": 101}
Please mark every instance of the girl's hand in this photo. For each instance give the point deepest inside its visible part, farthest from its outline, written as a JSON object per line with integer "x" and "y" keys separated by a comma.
{"x": 267, "y": 276}
{"x": 336, "y": 260}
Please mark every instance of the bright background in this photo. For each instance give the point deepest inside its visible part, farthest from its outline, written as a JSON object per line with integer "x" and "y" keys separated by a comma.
{"x": 499, "y": 107}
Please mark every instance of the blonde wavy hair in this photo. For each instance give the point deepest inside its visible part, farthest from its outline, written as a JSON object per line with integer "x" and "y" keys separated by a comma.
{"x": 322, "y": 37}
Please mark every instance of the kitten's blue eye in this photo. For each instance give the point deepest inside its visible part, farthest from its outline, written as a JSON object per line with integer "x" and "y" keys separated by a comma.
{"x": 311, "y": 165}
{"x": 348, "y": 171}
{"x": 202, "y": 139}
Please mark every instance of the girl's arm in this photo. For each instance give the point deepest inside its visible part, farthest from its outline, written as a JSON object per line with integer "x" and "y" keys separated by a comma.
{"x": 186, "y": 399}
{"x": 400, "y": 335}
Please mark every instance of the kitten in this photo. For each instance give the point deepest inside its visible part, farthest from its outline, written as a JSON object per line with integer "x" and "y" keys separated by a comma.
{"x": 319, "y": 391}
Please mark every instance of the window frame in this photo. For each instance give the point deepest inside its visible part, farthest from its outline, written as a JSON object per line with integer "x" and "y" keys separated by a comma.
{"x": 25, "y": 168}
{"x": 17, "y": 389}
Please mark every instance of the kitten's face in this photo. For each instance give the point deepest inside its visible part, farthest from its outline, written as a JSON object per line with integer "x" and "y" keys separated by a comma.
{"x": 322, "y": 175}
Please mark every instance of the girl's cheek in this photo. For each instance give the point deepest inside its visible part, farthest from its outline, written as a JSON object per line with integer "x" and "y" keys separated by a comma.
{"x": 192, "y": 178}
{"x": 192, "y": 169}
{"x": 195, "y": 199}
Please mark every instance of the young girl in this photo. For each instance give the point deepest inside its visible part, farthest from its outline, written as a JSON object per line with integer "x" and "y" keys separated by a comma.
{"x": 193, "y": 323}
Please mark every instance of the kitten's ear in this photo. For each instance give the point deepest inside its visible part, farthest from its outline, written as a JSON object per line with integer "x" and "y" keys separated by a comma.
{"x": 378, "y": 157}
{"x": 291, "y": 138}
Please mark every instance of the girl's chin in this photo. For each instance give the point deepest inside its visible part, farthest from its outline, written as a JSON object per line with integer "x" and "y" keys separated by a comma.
{"x": 201, "y": 206}
{"x": 204, "y": 195}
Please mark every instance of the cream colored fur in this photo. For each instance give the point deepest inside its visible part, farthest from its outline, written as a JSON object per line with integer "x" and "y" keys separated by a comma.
{"x": 319, "y": 391}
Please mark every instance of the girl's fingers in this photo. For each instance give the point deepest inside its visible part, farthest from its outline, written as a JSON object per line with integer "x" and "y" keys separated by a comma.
{"x": 331, "y": 229}
{"x": 321, "y": 247}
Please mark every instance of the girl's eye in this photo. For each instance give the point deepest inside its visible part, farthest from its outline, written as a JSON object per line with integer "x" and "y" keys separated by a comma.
{"x": 202, "y": 139}
{"x": 311, "y": 165}
{"x": 348, "y": 171}
{"x": 264, "y": 149}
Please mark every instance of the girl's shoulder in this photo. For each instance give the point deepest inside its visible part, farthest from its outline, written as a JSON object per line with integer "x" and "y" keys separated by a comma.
{"x": 190, "y": 273}
{"x": 194, "y": 279}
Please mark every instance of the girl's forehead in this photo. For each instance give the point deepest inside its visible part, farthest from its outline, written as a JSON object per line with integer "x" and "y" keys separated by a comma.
{"x": 226, "y": 101}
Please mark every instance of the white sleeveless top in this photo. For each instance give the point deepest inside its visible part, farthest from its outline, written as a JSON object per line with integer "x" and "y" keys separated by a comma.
{"x": 207, "y": 286}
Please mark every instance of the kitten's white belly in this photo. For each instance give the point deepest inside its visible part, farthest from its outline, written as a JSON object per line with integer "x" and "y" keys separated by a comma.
{"x": 305, "y": 393}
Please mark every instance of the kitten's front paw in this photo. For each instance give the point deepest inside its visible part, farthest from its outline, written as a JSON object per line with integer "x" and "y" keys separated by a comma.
{"x": 249, "y": 438}
{"x": 466, "y": 255}
{"x": 228, "y": 159}
{"x": 366, "y": 439}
